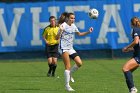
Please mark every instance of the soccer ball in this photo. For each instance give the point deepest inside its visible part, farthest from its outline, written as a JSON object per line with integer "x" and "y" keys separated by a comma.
{"x": 93, "y": 13}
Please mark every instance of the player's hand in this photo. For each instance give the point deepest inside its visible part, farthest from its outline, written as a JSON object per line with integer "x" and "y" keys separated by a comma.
{"x": 47, "y": 42}
{"x": 125, "y": 49}
{"x": 90, "y": 29}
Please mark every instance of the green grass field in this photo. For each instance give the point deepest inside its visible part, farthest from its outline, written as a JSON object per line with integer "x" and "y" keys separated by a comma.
{"x": 95, "y": 76}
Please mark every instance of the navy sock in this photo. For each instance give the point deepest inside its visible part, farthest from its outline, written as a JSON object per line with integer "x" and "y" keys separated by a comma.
{"x": 129, "y": 79}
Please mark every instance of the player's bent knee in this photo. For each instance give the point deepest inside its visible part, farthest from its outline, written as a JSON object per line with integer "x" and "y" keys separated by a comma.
{"x": 124, "y": 69}
{"x": 79, "y": 64}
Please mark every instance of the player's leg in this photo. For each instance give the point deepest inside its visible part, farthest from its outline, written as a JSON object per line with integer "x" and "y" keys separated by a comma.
{"x": 76, "y": 66}
{"x": 54, "y": 62}
{"x": 74, "y": 55}
{"x": 53, "y": 52}
{"x": 127, "y": 70}
{"x": 50, "y": 66}
{"x": 66, "y": 61}
{"x": 78, "y": 62}
{"x": 49, "y": 58}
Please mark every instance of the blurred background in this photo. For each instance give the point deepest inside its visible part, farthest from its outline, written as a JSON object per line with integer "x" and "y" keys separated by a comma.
{"x": 22, "y": 23}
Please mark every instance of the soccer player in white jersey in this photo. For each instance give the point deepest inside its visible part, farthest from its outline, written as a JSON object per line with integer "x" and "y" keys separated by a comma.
{"x": 66, "y": 36}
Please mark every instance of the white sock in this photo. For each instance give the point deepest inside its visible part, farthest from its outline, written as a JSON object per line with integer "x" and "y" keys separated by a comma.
{"x": 74, "y": 68}
{"x": 67, "y": 77}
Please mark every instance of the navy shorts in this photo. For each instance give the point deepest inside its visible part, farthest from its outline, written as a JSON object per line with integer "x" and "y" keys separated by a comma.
{"x": 137, "y": 59}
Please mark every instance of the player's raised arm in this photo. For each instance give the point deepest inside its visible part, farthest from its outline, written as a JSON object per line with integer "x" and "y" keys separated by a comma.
{"x": 85, "y": 33}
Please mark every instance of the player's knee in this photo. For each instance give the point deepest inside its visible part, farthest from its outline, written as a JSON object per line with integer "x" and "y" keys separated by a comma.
{"x": 54, "y": 62}
{"x": 125, "y": 69}
{"x": 79, "y": 64}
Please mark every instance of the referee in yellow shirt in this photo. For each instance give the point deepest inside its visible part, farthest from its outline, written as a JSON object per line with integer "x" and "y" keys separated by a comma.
{"x": 49, "y": 35}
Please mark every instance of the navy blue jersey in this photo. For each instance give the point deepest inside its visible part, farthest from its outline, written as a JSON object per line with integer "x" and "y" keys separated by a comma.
{"x": 136, "y": 32}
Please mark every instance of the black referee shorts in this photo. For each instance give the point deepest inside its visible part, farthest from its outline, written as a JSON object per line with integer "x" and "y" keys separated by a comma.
{"x": 52, "y": 51}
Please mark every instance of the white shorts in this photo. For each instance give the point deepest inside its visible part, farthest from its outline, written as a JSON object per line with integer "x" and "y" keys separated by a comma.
{"x": 70, "y": 51}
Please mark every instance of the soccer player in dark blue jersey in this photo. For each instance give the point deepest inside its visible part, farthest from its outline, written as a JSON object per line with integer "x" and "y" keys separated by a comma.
{"x": 134, "y": 62}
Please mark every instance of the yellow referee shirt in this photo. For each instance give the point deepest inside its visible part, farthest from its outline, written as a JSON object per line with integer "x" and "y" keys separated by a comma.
{"x": 50, "y": 34}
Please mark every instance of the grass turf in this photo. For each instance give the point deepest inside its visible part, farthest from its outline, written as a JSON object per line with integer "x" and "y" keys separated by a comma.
{"x": 95, "y": 76}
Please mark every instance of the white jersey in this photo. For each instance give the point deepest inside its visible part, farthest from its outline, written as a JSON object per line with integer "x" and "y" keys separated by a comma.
{"x": 67, "y": 36}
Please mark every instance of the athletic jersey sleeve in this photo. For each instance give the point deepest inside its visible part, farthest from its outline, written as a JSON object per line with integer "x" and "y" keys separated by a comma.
{"x": 62, "y": 25}
{"x": 136, "y": 32}
{"x": 45, "y": 31}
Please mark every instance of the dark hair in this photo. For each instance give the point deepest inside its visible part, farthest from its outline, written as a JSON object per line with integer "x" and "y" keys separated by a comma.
{"x": 51, "y": 17}
{"x": 62, "y": 18}
{"x": 69, "y": 14}
{"x": 134, "y": 21}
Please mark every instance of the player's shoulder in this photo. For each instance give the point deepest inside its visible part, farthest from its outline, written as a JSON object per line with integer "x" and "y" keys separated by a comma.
{"x": 64, "y": 23}
{"x": 47, "y": 27}
{"x": 57, "y": 27}
{"x": 136, "y": 31}
{"x": 136, "y": 28}
{"x": 73, "y": 25}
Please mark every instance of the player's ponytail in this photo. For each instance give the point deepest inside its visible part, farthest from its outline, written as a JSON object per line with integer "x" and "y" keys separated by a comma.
{"x": 62, "y": 18}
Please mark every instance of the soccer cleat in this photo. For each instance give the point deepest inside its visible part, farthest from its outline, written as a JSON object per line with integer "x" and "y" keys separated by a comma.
{"x": 68, "y": 88}
{"x": 48, "y": 74}
{"x": 53, "y": 75}
{"x": 133, "y": 90}
{"x": 72, "y": 79}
